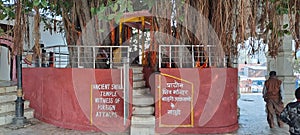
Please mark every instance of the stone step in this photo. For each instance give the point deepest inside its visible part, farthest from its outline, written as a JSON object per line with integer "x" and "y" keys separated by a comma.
{"x": 141, "y": 91}
{"x": 143, "y": 100}
{"x": 8, "y": 96}
{"x": 6, "y": 118}
{"x": 8, "y": 89}
{"x": 138, "y": 76}
{"x": 143, "y": 110}
{"x": 142, "y": 130}
{"x": 139, "y": 84}
{"x": 143, "y": 120}
{"x": 137, "y": 70}
{"x": 10, "y": 106}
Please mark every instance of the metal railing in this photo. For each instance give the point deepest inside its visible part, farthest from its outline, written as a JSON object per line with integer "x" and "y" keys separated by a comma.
{"x": 188, "y": 56}
{"x": 170, "y": 56}
{"x": 62, "y": 56}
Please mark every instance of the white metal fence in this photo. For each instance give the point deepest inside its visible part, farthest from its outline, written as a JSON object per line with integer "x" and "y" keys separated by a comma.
{"x": 187, "y": 56}
{"x": 78, "y": 57}
{"x": 171, "y": 56}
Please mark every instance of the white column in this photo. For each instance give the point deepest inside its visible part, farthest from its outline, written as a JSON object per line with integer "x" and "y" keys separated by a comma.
{"x": 4, "y": 63}
{"x": 283, "y": 65}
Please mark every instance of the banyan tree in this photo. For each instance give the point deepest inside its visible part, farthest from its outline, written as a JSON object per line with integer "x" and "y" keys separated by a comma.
{"x": 86, "y": 22}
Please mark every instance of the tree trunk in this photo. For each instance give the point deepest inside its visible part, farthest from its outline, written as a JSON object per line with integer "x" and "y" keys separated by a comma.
{"x": 83, "y": 30}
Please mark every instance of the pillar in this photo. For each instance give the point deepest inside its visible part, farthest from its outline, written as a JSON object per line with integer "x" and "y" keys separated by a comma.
{"x": 283, "y": 65}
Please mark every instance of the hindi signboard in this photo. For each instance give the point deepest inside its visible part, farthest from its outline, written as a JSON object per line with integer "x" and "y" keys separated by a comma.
{"x": 175, "y": 102}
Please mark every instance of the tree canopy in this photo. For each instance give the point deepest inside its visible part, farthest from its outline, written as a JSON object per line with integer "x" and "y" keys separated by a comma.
{"x": 234, "y": 21}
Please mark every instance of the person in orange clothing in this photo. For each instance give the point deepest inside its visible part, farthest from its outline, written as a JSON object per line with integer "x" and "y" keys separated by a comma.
{"x": 272, "y": 96}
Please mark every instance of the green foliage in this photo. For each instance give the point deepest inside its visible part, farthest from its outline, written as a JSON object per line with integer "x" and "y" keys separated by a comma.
{"x": 113, "y": 10}
{"x": 285, "y": 26}
{"x": 281, "y": 8}
{"x": 110, "y": 10}
{"x": 40, "y": 3}
{"x": 117, "y": 8}
{"x": 284, "y": 31}
{"x": 1, "y": 31}
{"x": 179, "y": 4}
{"x": 6, "y": 11}
{"x": 36, "y": 2}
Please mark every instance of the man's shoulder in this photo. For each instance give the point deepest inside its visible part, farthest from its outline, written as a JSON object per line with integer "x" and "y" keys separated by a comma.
{"x": 273, "y": 80}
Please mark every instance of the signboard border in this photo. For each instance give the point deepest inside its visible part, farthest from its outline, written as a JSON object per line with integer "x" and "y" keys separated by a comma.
{"x": 159, "y": 102}
{"x": 91, "y": 105}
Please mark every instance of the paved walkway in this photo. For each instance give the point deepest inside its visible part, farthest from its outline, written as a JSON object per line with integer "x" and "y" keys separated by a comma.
{"x": 252, "y": 121}
{"x": 253, "y": 118}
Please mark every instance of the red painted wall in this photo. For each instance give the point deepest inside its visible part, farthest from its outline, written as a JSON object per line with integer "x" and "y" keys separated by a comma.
{"x": 62, "y": 97}
{"x": 214, "y": 101}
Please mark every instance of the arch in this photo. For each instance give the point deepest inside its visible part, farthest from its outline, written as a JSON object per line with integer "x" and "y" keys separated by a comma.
{"x": 7, "y": 41}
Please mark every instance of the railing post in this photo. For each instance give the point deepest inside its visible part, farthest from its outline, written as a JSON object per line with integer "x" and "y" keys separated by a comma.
{"x": 209, "y": 56}
{"x": 170, "y": 56}
{"x": 159, "y": 56}
{"x": 126, "y": 87}
{"x": 193, "y": 56}
{"x": 94, "y": 57}
{"x": 59, "y": 56}
{"x": 78, "y": 59}
{"x": 180, "y": 55}
{"x": 110, "y": 57}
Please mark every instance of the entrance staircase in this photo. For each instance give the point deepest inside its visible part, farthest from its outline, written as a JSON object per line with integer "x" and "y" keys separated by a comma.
{"x": 143, "y": 119}
{"x": 8, "y": 95}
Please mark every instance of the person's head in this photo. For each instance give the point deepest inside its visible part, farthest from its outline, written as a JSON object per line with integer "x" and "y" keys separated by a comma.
{"x": 272, "y": 74}
{"x": 297, "y": 93}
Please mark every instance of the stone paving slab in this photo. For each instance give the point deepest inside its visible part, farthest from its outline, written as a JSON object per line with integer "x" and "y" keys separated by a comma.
{"x": 40, "y": 128}
{"x": 252, "y": 121}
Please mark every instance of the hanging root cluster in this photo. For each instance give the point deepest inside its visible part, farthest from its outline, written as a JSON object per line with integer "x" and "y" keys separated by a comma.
{"x": 235, "y": 21}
